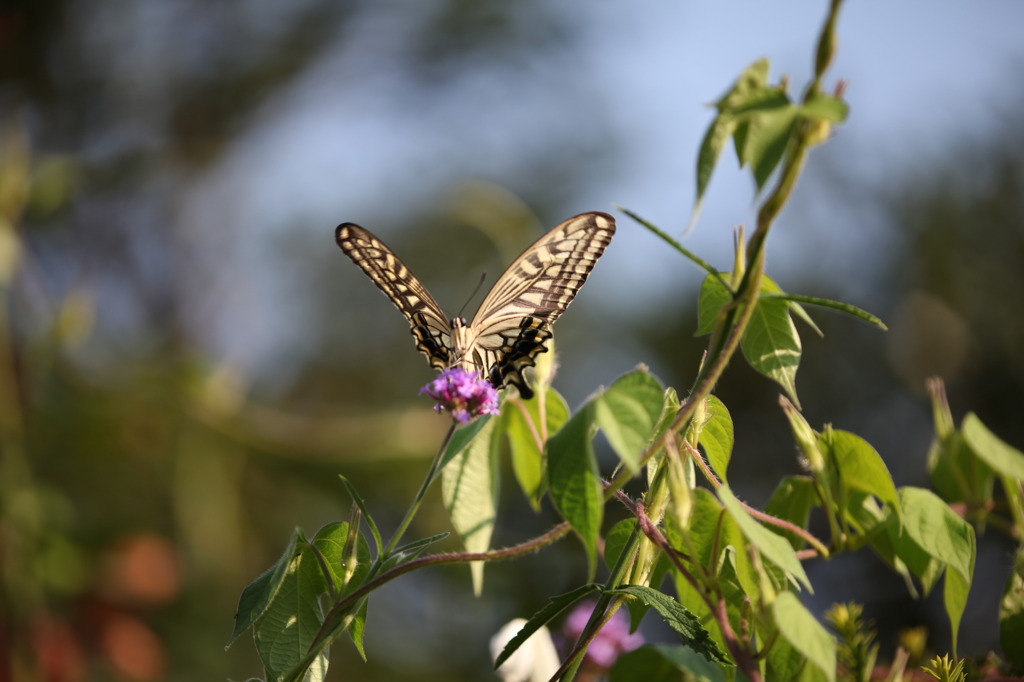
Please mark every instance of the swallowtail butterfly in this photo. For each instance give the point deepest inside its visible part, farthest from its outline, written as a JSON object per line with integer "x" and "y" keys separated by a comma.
{"x": 514, "y": 320}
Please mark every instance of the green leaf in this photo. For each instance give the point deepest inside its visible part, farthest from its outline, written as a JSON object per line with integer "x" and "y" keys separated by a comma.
{"x": 957, "y": 474}
{"x": 259, "y": 593}
{"x": 286, "y": 631}
{"x": 700, "y": 262}
{"x": 713, "y": 296}
{"x": 615, "y": 540}
{"x": 411, "y": 550}
{"x": 521, "y": 423}
{"x": 750, "y": 79}
{"x": 724, "y": 126}
{"x": 772, "y": 546}
{"x": 358, "y": 500}
{"x": 990, "y": 449}
{"x": 805, "y": 634}
{"x": 554, "y": 607}
{"x": 792, "y": 501}
{"x": 462, "y": 437}
{"x": 825, "y": 107}
{"x": 628, "y": 412}
{"x": 938, "y": 530}
{"x": 574, "y": 479}
{"x": 946, "y": 539}
{"x": 847, "y": 308}
{"x": 330, "y": 541}
{"x": 954, "y": 596}
{"x": 717, "y": 436}
{"x": 772, "y": 346}
{"x": 686, "y": 625}
{"x": 469, "y": 488}
{"x": 669, "y": 409}
{"x": 664, "y": 663}
{"x": 771, "y": 290}
{"x": 1011, "y": 614}
{"x": 786, "y": 663}
{"x": 860, "y": 466}
{"x": 717, "y": 135}
{"x": 768, "y": 135}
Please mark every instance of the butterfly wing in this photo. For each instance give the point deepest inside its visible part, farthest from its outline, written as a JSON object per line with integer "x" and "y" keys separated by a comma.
{"x": 515, "y": 319}
{"x": 432, "y": 331}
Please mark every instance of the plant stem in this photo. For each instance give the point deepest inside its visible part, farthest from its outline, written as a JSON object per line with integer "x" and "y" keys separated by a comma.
{"x": 350, "y": 600}
{"x": 421, "y": 493}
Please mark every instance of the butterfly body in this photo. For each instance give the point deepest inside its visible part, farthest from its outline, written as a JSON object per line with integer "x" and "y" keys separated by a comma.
{"x": 513, "y": 321}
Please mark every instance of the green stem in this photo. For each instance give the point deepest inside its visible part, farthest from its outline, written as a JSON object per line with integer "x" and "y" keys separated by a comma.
{"x": 327, "y": 630}
{"x": 604, "y": 609}
{"x": 420, "y": 494}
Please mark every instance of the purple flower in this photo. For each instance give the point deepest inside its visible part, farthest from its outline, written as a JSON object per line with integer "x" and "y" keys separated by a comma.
{"x": 610, "y": 642}
{"x": 466, "y": 395}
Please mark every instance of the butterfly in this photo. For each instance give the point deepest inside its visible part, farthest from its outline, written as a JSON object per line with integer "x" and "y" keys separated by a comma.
{"x": 514, "y": 319}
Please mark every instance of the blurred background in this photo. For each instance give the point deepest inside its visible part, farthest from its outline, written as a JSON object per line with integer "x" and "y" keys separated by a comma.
{"x": 187, "y": 361}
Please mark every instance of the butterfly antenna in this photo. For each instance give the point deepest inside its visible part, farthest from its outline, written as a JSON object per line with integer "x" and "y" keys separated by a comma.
{"x": 483, "y": 276}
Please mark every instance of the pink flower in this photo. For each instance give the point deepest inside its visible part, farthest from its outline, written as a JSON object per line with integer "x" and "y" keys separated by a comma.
{"x": 465, "y": 395}
{"x": 611, "y": 641}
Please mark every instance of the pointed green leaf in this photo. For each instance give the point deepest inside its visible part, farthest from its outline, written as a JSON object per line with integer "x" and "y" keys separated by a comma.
{"x": 989, "y": 448}
{"x": 718, "y": 133}
{"x": 847, "y": 308}
{"x": 772, "y": 546}
{"x": 615, "y": 540}
{"x": 330, "y": 541}
{"x": 462, "y": 437}
{"x": 686, "y": 625}
{"x": 574, "y": 480}
{"x": 664, "y": 236}
{"x": 805, "y": 634}
{"x": 717, "y": 436}
{"x": 411, "y": 550}
{"x": 752, "y": 78}
{"x": 860, "y": 466}
{"x": 796, "y": 309}
{"x": 1011, "y": 614}
{"x": 259, "y": 593}
{"x": 522, "y": 425}
{"x": 286, "y": 631}
{"x": 358, "y": 500}
{"x": 554, "y": 607}
{"x": 825, "y": 107}
{"x": 669, "y": 409}
{"x": 772, "y": 346}
{"x": 954, "y": 597}
{"x": 767, "y": 138}
{"x": 792, "y": 501}
{"x": 957, "y": 474}
{"x": 628, "y": 412}
{"x": 946, "y": 540}
{"x": 786, "y": 663}
{"x": 469, "y": 487}
{"x": 714, "y": 296}
{"x": 938, "y": 530}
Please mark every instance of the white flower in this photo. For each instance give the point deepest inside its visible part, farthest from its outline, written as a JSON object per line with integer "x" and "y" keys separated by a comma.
{"x": 534, "y": 661}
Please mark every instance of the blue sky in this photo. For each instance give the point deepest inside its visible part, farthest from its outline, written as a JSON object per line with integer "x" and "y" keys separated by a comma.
{"x": 356, "y": 138}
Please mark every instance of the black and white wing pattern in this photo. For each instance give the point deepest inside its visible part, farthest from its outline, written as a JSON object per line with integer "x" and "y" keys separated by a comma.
{"x": 514, "y": 320}
{"x": 430, "y": 327}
